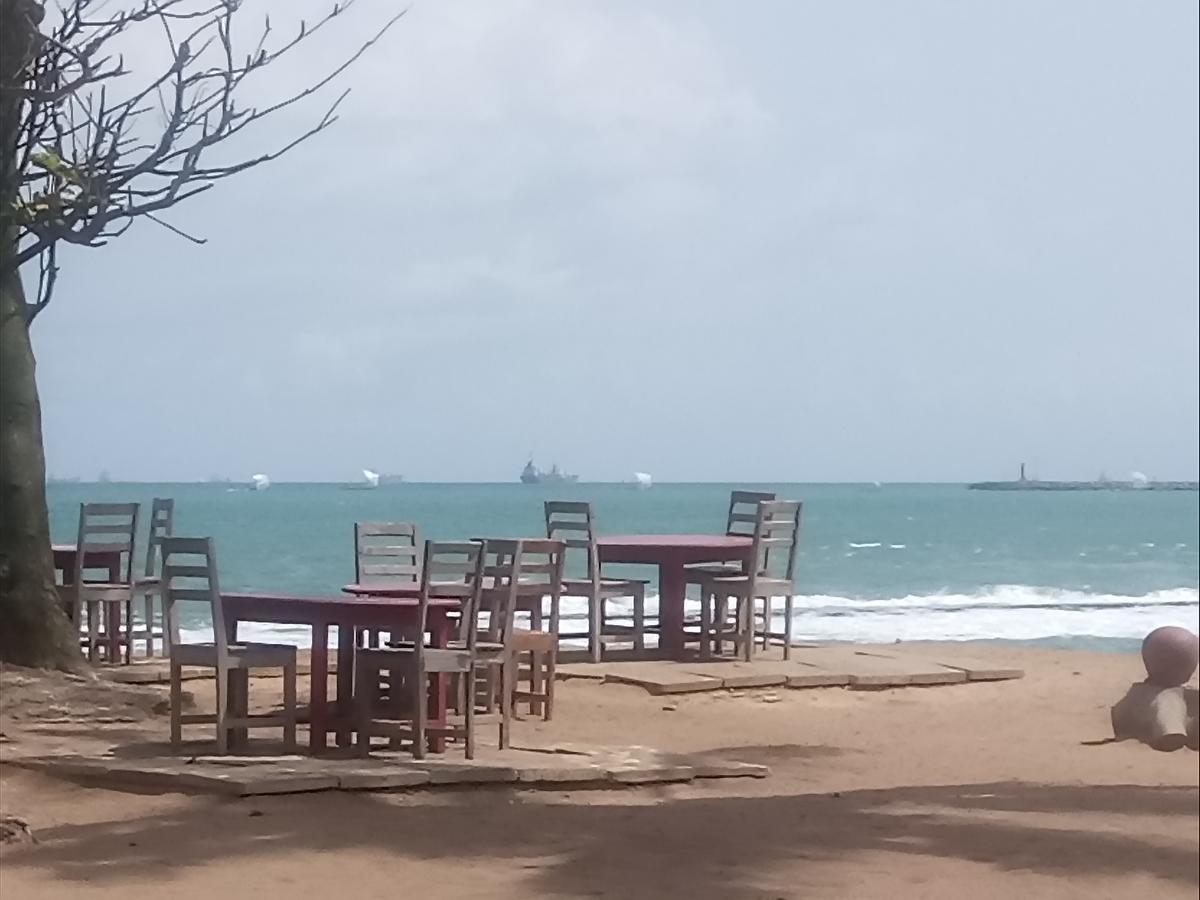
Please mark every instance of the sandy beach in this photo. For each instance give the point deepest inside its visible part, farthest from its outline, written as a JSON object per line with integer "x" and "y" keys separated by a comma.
{"x": 998, "y": 790}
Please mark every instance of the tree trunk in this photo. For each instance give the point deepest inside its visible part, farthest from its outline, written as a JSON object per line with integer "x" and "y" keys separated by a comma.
{"x": 34, "y": 629}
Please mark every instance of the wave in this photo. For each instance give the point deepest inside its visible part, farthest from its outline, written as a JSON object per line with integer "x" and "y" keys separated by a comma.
{"x": 1005, "y": 612}
{"x": 865, "y": 546}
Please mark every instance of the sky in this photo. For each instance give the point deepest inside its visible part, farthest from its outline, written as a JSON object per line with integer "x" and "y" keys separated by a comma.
{"x": 719, "y": 241}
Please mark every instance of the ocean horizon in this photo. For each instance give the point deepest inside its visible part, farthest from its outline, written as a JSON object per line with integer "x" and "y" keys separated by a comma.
{"x": 879, "y": 562}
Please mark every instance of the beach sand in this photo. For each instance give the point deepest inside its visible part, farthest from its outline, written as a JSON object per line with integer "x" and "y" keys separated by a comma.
{"x": 994, "y": 790}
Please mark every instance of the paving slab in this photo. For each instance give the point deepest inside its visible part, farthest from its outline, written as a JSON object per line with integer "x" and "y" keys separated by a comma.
{"x": 739, "y": 674}
{"x": 662, "y": 678}
{"x": 975, "y": 669}
{"x": 871, "y": 671}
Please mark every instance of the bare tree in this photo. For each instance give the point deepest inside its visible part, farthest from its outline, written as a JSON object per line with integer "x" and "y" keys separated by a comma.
{"x": 86, "y": 149}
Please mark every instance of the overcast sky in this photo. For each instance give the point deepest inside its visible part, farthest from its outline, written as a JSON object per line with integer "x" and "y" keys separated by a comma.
{"x": 707, "y": 240}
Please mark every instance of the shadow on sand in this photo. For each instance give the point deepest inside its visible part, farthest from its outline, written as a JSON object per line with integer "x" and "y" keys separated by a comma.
{"x": 698, "y": 848}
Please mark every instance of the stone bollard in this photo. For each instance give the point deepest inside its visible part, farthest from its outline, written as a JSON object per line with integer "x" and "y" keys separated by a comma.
{"x": 1163, "y": 717}
{"x": 1161, "y": 711}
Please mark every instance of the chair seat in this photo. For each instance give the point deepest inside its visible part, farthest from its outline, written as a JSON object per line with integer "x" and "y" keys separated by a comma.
{"x": 100, "y": 590}
{"x": 609, "y": 587}
{"x": 539, "y": 641}
{"x": 740, "y": 584}
{"x": 437, "y": 659}
{"x": 241, "y": 656}
{"x": 719, "y": 570}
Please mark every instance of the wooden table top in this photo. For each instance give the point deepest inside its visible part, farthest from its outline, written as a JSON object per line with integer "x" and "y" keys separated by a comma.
{"x": 676, "y": 541}
{"x": 334, "y": 601}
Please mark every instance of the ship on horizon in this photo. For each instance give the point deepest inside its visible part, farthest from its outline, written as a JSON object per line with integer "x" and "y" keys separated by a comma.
{"x": 531, "y": 474}
{"x": 1136, "y": 482}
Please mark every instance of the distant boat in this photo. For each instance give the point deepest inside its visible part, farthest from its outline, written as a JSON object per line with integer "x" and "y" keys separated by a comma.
{"x": 643, "y": 480}
{"x": 370, "y": 481}
{"x": 531, "y": 474}
{"x": 259, "y": 482}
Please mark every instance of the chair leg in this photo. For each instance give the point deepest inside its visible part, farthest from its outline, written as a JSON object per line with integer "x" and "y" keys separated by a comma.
{"x": 127, "y": 634}
{"x": 222, "y": 712}
{"x": 536, "y": 686}
{"x": 551, "y": 675}
{"x": 365, "y": 686}
{"x": 746, "y": 626}
{"x": 148, "y": 612}
{"x": 707, "y": 602}
{"x": 289, "y": 707}
{"x": 93, "y": 625}
{"x": 595, "y": 626}
{"x": 788, "y": 609}
{"x": 176, "y": 705}
{"x": 639, "y": 619}
{"x": 508, "y": 669}
{"x": 466, "y": 687}
{"x": 420, "y": 700}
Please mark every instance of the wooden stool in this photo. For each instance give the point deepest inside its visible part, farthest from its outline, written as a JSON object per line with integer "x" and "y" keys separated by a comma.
{"x": 538, "y": 652}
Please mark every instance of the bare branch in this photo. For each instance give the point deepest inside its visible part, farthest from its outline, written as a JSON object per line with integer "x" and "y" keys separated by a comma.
{"x": 87, "y": 162}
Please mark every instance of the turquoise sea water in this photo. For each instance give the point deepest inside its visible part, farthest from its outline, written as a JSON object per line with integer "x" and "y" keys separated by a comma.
{"x": 879, "y": 563}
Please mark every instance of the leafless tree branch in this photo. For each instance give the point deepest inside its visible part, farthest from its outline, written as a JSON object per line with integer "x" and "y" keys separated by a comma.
{"x": 90, "y": 157}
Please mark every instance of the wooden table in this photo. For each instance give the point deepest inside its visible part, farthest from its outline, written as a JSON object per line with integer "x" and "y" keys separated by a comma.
{"x": 671, "y": 553}
{"x": 64, "y": 561}
{"x": 392, "y": 614}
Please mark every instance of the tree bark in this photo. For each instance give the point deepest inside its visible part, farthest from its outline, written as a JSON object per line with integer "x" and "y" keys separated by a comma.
{"x": 34, "y": 628}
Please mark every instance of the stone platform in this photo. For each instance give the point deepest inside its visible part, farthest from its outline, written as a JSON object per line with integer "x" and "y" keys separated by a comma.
{"x": 246, "y": 776}
{"x": 849, "y": 666}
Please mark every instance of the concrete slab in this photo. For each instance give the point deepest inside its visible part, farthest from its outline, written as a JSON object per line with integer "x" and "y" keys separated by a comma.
{"x": 662, "y": 678}
{"x": 871, "y": 671}
{"x": 975, "y": 670}
{"x": 739, "y": 674}
{"x": 248, "y": 776}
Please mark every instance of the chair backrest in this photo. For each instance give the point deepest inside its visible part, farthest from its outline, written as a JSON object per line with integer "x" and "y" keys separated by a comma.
{"x": 162, "y": 524}
{"x": 501, "y": 572}
{"x": 574, "y": 524}
{"x": 452, "y": 569}
{"x": 743, "y": 511}
{"x": 189, "y": 575}
{"x": 532, "y": 567}
{"x": 777, "y": 535}
{"x": 106, "y": 528}
{"x": 387, "y": 552}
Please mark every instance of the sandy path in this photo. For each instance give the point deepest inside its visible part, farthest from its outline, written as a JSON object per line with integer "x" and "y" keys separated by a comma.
{"x": 984, "y": 791}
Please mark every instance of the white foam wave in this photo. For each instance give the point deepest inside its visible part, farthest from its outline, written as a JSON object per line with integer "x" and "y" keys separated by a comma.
{"x": 865, "y": 546}
{"x": 1009, "y": 612}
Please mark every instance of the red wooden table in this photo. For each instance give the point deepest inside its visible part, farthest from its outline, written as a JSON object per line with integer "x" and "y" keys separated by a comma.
{"x": 64, "y": 561}
{"x": 391, "y": 614}
{"x": 671, "y": 553}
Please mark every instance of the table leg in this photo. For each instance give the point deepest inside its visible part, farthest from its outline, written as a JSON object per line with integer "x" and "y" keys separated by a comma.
{"x": 237, "y": 706}
{"x": 672, "y": 588}
{"x": 439, "y": 694}
{"x": 345, "y": 683}
{"x": 318, "y": 712}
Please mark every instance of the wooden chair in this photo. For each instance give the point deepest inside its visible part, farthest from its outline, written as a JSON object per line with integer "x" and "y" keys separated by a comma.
{"x": 776, "y": 536}
{"x": 536, "y": 573}
{"x": 385, "y": 553}
{"x": 739, "y": 522}
{"x": 102, "y": 606}
{"x": 447, "y": 570}
{"x": 575, "y": 525}
{"x": 162, "y": 524}
{"x": 189, "y": 574}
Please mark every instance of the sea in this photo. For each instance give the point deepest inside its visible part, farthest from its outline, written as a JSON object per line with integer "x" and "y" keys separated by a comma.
{"x": 879, "y": 563}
